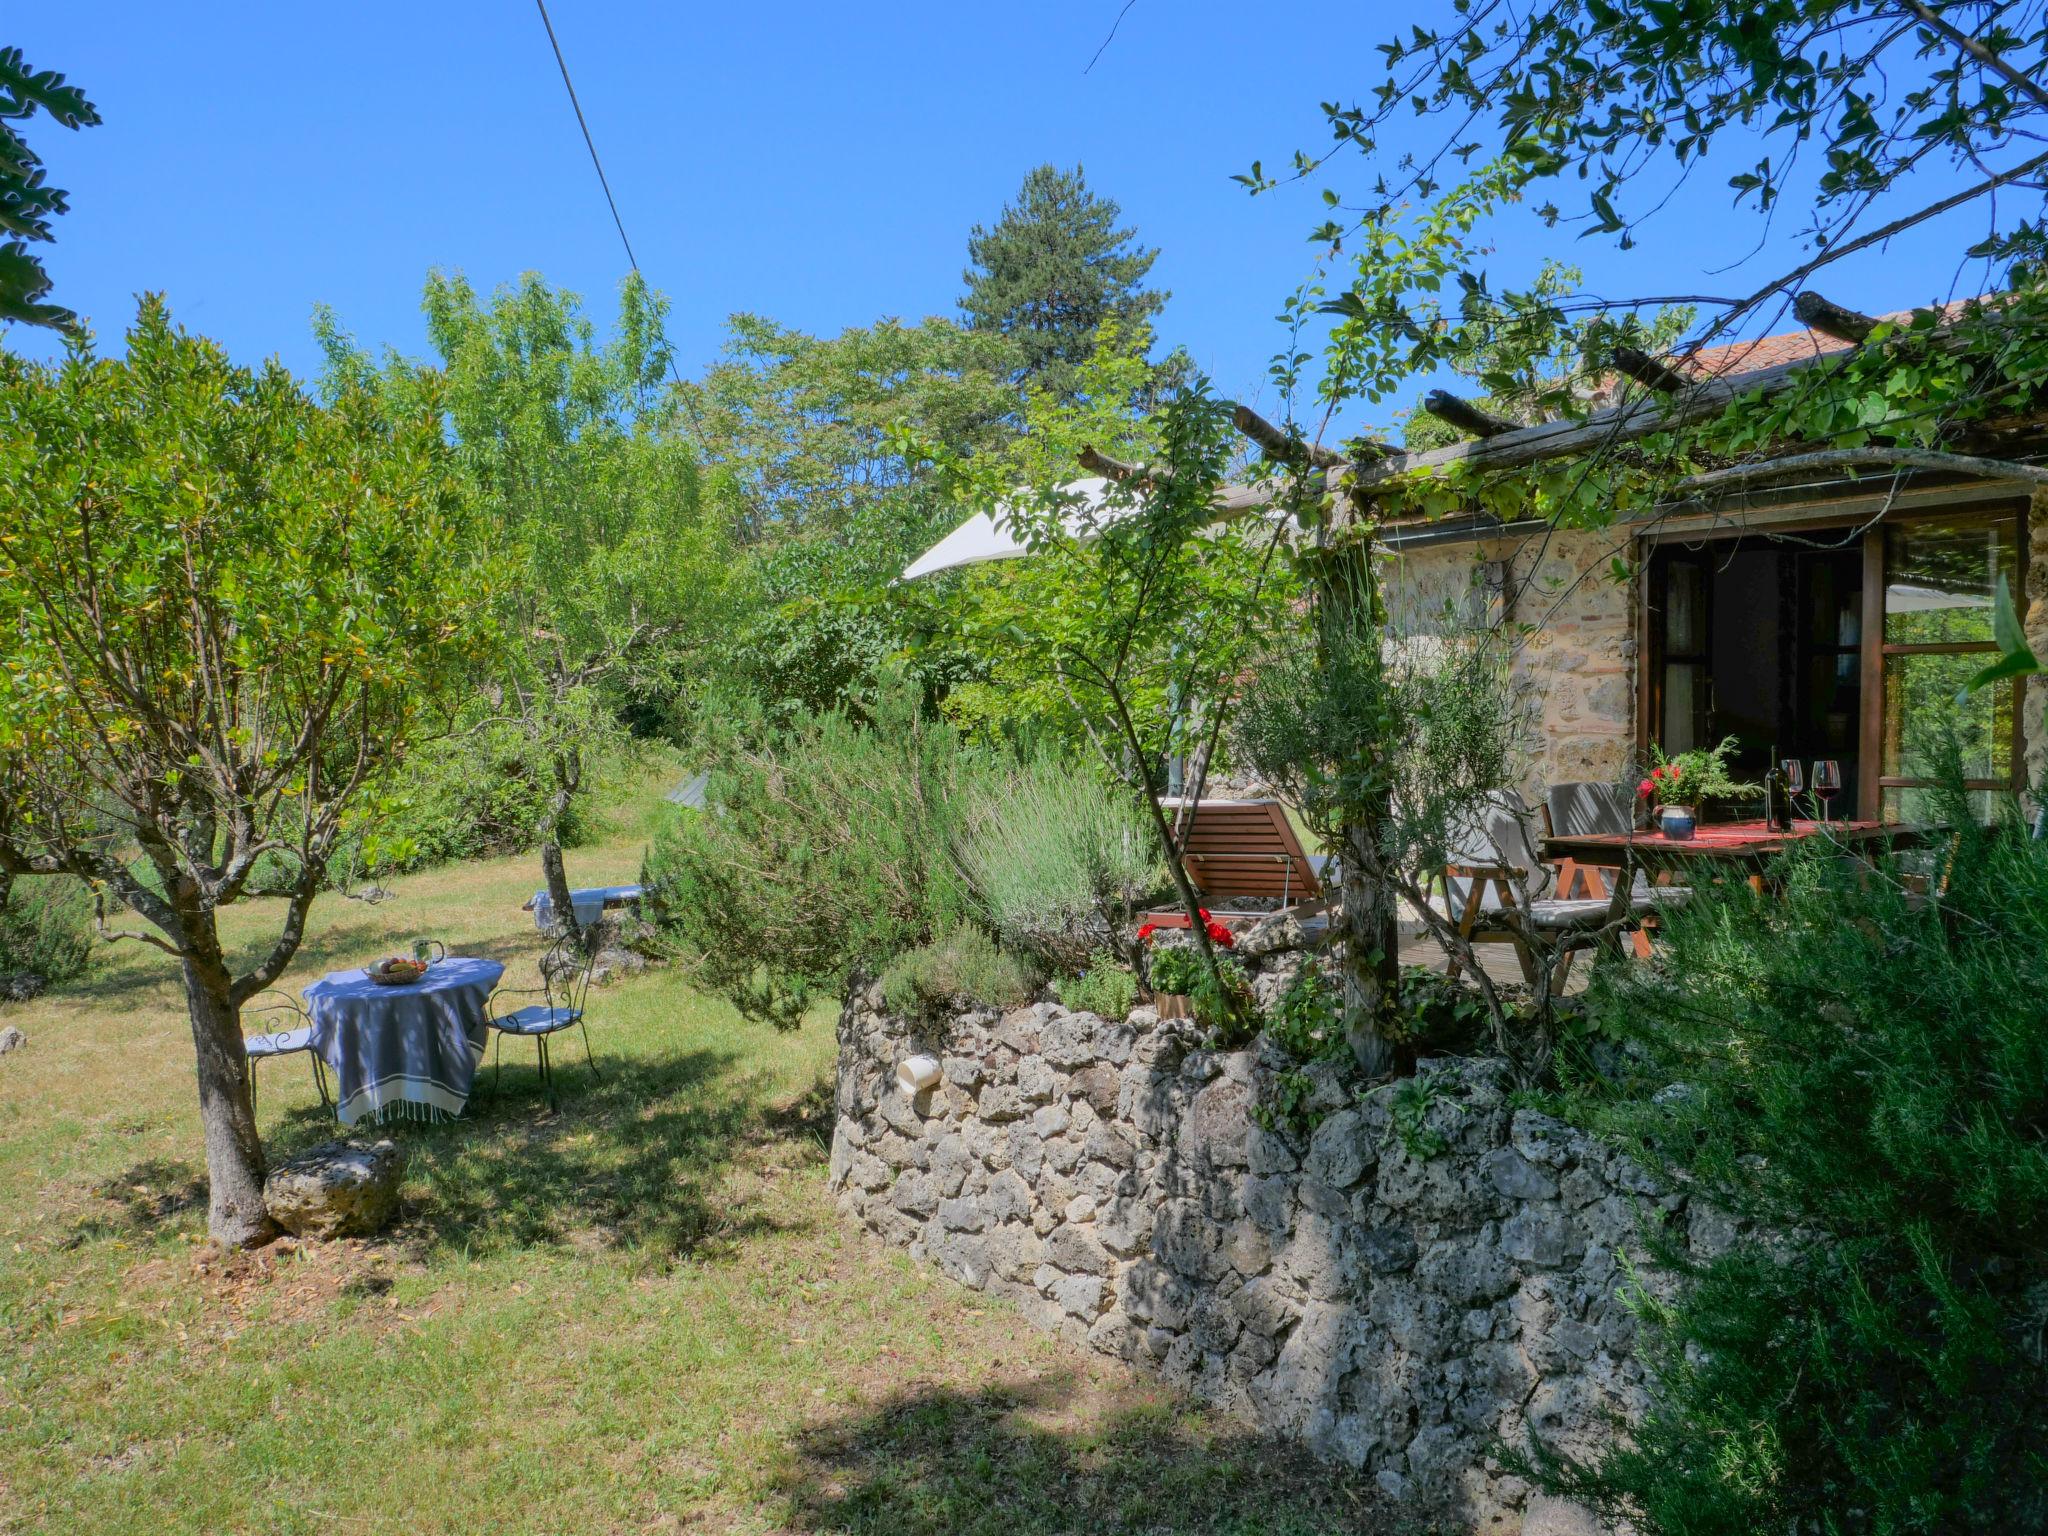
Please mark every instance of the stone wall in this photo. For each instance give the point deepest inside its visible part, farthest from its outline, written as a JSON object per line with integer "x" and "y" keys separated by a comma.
{"x": 2034, "y": 699}
{"x": 1574, "y": 657}
{"x": 1398, "y": 1302}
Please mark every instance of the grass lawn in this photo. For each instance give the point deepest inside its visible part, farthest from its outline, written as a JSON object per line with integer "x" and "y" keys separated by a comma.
{"x": 640, "y": 1314}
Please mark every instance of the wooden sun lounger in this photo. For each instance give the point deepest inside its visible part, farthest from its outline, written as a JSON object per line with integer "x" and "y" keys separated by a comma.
{"x": 1239, "y": 850}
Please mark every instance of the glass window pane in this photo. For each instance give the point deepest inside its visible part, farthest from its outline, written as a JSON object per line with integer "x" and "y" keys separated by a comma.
{"x": 1940, "y": 577}
{"x": 1921, "y": 713}
{"x": 1685, "y": 610}
{"x": 1922, "y": 805}
{"x": 1685, "y": 701}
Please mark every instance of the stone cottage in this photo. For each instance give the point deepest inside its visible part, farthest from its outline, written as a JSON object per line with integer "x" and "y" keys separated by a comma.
{"x": 1828, "y": 615}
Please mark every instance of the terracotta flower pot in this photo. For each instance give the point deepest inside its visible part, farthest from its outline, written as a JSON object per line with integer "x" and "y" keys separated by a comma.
{"x": 1173, "y": 1005}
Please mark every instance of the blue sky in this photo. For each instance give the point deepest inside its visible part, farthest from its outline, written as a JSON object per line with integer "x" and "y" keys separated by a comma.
{"x": 818, "y": 163}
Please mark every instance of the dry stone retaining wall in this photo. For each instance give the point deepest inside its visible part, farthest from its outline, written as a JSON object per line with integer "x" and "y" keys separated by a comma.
{"x": 1399, "y": 1303}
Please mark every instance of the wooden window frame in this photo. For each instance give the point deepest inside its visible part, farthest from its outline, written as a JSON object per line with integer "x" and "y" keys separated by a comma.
{"x": 1874, "y": 655}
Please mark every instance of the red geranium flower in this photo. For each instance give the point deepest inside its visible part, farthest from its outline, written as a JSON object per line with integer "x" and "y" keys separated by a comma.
{"x": 1646, "y": 789}
{"x": 1218, "y": 934}
{"x": 1146, "y": 931}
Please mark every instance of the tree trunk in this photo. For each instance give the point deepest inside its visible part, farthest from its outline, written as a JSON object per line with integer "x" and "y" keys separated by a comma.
{"x": 551, "y": 867}
{"x": 1348, "y": 606}
{"x": 1372, "y": 967}
{"x": 558, "y": 890}
{"x": 235, "y": 1216}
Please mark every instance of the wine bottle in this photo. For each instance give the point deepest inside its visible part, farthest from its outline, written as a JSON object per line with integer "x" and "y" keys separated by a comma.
{"x": 1777, "y": 797}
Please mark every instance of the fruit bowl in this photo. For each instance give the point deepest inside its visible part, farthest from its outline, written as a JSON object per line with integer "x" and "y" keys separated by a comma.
{"x": 395, "y": 971}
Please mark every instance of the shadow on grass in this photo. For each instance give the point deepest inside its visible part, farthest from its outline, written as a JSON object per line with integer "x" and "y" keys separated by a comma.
{"x": 636, "y": 1159}
{"x": 141, "y": 1199}
{"x": 1008, "y": 1460}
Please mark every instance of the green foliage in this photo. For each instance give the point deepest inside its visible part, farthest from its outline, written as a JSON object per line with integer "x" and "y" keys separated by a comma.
{"x": 27, "y": 201}
{"x": 1051, "y": 271}
{"x": 1221, "y": 996}
{"x": 46, "y": 927}
{"x": 1057, "y": 860}
{"x": 1106, "y": 988}
{"x": 1601, "y": 96}
{"x": 1415, "y": 731}
{"x": 1409, "y": 1103}
{"x": 1686, "y": 778}
{"x": 805, "y": 461}
{"x": 296, "y": 583}
{"x": 828, "y": 849}
{"x": 573, "y": 453}
{"x": 1432, "y": 1012}
{"x": 478, "y": 793}
{"x": 1307, "y": 1019}
{"x": 1284, "y": 1104}
{"x": 961, "y": 967}
{"x": 1867, "y": 1078}
{"x": 1531, "y": 358}
{"x": 1173, "y": 969}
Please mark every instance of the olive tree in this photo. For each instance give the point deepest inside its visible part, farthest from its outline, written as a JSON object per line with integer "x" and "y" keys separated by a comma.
{"x": 228, "y": 610}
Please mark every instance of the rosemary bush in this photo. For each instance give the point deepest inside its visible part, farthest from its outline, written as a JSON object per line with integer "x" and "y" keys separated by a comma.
{"x": 1866, "y": 1077}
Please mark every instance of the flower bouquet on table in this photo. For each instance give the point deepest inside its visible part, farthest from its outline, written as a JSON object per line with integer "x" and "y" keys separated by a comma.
{"x": 1675, "y": 787}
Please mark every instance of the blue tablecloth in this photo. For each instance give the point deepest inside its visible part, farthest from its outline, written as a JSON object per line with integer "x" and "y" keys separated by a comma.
{"x": 410, "y": 1050}
{"x": 588, "y": 903}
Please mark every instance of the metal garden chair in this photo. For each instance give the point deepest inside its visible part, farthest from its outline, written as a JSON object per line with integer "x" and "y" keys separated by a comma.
{"x": 287, "y": 1029}
{"x": 565, "y": 984}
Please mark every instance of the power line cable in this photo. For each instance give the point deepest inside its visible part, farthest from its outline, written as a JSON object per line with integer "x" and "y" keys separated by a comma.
{"x": 604, "y": 181}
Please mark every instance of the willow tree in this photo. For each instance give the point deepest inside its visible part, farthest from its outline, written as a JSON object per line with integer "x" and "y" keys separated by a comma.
{"x": 579, "y": 471}
{"x": 229, "y": 609}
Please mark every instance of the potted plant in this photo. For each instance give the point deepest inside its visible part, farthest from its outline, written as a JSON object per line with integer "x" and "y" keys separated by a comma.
{"x": 1676, "y": 785}
{"x": 1175, "y": 973}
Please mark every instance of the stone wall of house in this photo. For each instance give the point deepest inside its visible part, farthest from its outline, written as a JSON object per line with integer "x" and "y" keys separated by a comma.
{"x": 2034, "y": 703}
{"x": 1575, "y": 646}
{"x": 1399, "y": 1292}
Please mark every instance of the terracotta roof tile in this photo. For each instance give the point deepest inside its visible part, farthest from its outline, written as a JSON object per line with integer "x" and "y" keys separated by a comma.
{"x": 1739, "y": 357}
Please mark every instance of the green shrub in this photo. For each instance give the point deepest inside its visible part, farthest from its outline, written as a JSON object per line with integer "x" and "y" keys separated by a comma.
{"x": 1175, "y": 969}
{"x": 1307, "y": 1019}
{"x": 1225, "y": 1003}
{"x": 477, "y": 794}
{"x": 1058, "y": 860}
{"x": 46, "y": 926}
{"x": 1106, "y": 989}
{"x": 959, "y": 968}
{"x": 1434, "y": 1012}
{"x": 828, "y": 850}
{"x": 1866, "y": 1077}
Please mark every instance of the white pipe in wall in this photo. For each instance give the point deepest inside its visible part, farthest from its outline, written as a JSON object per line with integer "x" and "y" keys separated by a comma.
{"x": 914, "y": 1074}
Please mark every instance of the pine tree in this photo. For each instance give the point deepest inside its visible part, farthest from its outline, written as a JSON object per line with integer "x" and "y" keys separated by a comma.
{"x": 1053, "y": 268}
{"x": 27, "y": 202}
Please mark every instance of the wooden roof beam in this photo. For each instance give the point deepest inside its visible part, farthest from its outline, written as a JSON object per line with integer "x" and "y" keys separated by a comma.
{"x": 1650, "y": 371}
{"x": 1466, "y": 416}
{"x": 1094, "y": 458}
{"x": 1282, "y": 446}
{"x": 1831, "y": 319}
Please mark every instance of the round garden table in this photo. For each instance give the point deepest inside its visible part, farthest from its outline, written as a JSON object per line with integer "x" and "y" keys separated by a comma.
{"x": 408, "y": 1050}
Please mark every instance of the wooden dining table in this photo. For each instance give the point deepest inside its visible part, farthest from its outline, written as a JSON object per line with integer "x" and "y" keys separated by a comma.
{"x": 1718, "y": 850}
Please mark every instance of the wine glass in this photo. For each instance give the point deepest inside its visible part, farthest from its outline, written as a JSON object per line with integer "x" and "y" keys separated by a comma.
{"x": 1795, "y": 782}
{"x": 1827, "y": 782}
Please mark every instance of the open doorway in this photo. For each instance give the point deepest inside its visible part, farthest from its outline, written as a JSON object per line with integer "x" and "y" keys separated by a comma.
{"x": 1759, "y": 638}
